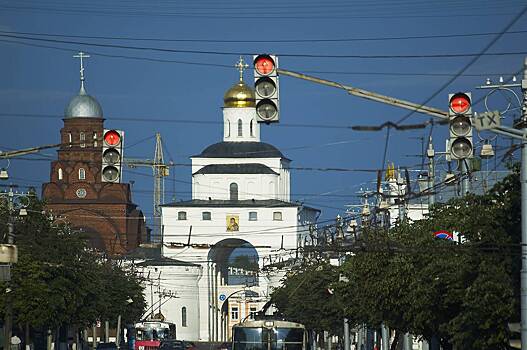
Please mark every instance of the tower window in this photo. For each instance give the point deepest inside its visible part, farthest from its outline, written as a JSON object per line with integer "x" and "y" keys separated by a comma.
{"x": 60, "y": 174}
{"x": 182, "y": 215}
{"x": 251, "y": 128}
{"x": 228, "y": 128}
{"x": 277, "y": 216}
{"x": 183, "y": 316}
{"x": 206, "y": 215}
{"x": 94, "y": 139}
{"x": 233, "y": 189}
{"x": 234, "y": 313}
{"x": 240, "y": 128}
{"x": 82, "y": 174}
{"x": 82, "y": 138}
{"x": 70, "y": 139}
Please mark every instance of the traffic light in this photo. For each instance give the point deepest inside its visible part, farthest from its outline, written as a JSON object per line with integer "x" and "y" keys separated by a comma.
{"x": 460, "y": 125}
{"x": 112, "y": 155}
{"x": 266, "y": 88}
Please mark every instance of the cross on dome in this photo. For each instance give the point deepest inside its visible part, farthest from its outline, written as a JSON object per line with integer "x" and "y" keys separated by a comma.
{"x": 241, "y": 65}
{"x": 81, "y": 55}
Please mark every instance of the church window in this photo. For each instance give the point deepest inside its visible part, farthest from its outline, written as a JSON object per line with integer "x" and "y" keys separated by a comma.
{"x": 234, "y": 313}
{"x": 253, "y": 216}
{"x": 70, "y": 139}
{"x": 82, "y": 138}
{"x": 60, "y": 174}
{"x": 182, "y": 215}
{"x": 233, "y": 189}
{"x": 94, "y": 139}
{"x": 228, "y": 128}
{"x": 206, "y": 215}
{"x": 183, "y": 316}
{"x": 251, "y": 128}
{"x": 240, "y": 128}
{"x": 277, "y": 216}
{"x": 82, "y": 174}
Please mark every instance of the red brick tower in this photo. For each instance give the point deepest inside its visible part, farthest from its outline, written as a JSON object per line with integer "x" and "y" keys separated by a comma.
{"x": 76, "y": 193}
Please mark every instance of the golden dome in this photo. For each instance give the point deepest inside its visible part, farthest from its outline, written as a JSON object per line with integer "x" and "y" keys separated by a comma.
{"x": 239, "y": 95}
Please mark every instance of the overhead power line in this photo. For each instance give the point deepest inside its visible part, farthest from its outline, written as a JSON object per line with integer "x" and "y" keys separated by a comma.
{"x": 228, "y": 66}
{"x": 314, "y": 40}
{"x": 237, "y": 53}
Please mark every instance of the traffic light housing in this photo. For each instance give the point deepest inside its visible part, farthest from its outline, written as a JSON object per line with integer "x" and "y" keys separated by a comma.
{"x": 266, "y": 88}
{"x": 460, "y": 125}
{"x": 112, "y": 155}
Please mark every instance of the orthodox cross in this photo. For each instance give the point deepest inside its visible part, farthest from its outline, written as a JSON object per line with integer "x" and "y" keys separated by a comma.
{"x": 241, "y": 65}
{"x": 81, "y": 55}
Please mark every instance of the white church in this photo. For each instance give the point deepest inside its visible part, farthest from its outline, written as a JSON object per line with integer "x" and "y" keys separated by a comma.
{"x": 218, "y": 248}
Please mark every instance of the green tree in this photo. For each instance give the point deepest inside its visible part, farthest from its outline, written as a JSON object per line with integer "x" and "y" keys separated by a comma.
{"x": 307, "y": 296}
{"x": 59, "y": 281}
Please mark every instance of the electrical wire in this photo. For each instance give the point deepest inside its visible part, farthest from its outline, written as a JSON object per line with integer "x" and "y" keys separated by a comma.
{"x": 296, "y": 55}
{"x": 238, "y": 41}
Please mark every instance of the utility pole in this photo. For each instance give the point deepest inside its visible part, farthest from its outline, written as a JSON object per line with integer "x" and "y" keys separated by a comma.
{"x": 523, "y": 179}
{"x": 430, "y": 153}
{"x": 160, "y": 171}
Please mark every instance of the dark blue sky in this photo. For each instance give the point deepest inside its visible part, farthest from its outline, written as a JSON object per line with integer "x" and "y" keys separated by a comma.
{"x": 143, "y": 91}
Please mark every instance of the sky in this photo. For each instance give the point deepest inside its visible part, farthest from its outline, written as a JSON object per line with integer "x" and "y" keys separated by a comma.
{"x": 163, "y": 66}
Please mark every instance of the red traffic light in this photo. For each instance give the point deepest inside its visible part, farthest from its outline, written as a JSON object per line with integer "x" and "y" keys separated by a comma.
{"x": 112, "y": 138}
{"x": 264, "y": 64}
{"x": 459, "y": 103}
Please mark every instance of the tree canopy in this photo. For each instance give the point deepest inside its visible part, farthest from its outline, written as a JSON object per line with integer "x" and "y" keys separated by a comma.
{"x": 59, "y": 280}
{"x": 464, "y": 293}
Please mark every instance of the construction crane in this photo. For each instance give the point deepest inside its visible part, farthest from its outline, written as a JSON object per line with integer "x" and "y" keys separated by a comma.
{"x": 160, "y": 171}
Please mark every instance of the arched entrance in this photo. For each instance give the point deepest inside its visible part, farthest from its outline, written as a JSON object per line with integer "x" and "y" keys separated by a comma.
{"x": 236, "y": 261}
{"x": 233, "y": 273}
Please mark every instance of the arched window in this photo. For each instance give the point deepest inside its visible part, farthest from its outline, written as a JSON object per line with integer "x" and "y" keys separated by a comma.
{"x": 60, "y": 174}
{"x": 82, "y": 174}
{"x": 183, "y": 316}
{"x": 251, "y": 128}
{"x": 82, "y": 138}
{"x": 240, "y": 128}
{"x": 233, "y": 189}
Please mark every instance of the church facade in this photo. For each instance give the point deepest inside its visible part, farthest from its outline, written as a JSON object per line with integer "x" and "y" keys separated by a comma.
{"x": 238, "y": 224}
{"x": 76, "y": 193}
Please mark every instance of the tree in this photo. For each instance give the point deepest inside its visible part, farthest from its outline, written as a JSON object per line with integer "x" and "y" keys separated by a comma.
{"x": 59, "y": 281}
{"x": 463, "y": 293}
{"x": 307, "y": 296}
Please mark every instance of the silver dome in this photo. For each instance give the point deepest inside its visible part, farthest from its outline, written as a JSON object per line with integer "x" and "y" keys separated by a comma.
{"x": 83, "y": 106}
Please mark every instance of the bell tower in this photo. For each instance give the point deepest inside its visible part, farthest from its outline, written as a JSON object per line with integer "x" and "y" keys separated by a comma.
{"x": 75, "y": 194}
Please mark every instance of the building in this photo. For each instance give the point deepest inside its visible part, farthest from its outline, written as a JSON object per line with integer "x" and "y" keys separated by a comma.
{"x": 239, "y": 220}
{"x": 76, "y": 192}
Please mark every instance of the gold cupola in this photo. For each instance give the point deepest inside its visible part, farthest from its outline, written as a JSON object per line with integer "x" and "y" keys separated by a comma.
{"x": 240, "y": 95}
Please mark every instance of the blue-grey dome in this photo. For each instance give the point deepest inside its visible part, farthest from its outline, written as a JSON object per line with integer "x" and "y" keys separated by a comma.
{"x": 83, "y": 106}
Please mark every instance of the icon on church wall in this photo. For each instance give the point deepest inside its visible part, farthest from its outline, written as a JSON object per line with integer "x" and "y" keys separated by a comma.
{"x": 233, "y": 223}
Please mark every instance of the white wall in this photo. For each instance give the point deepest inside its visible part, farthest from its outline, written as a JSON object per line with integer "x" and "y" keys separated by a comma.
{"x": 263, "y": 232}
{"x": 216, "y": 186}
{"x": 246, "y": 115}
{"x": 182, "y": 282}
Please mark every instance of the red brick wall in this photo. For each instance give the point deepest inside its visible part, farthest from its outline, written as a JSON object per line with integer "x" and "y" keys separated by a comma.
{"x": 106, "y": 214}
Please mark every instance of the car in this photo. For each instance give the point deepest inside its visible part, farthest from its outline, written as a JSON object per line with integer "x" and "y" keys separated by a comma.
{"x": 190, "y": 345}
{"x": 107, "y": 346}
{"x": 172, "y": 344}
